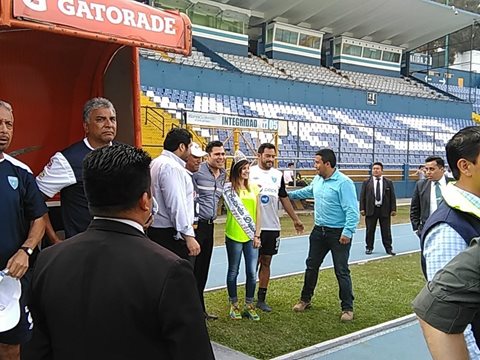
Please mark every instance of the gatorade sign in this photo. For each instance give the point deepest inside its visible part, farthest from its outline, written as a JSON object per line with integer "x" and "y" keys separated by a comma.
{"x": 122, "y": 18}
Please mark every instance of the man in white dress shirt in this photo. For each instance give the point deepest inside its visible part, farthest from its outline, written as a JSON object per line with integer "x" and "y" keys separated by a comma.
{"x": 173, "y": 189}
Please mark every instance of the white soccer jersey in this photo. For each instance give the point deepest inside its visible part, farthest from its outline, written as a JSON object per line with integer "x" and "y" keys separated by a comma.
{"x": 269, "y": 182}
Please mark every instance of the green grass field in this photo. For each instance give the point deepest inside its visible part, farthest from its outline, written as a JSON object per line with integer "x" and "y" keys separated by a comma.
{"x": 383, "y": 291}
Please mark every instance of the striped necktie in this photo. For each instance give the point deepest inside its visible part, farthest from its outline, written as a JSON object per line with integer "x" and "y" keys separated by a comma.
{"x": 438, "y": 193}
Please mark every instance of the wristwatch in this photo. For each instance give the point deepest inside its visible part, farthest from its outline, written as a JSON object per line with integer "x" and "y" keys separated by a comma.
{"x": 28, "y": 250}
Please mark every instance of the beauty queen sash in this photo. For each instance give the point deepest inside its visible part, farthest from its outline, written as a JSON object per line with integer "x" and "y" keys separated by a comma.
{"x": 238, "y": 210}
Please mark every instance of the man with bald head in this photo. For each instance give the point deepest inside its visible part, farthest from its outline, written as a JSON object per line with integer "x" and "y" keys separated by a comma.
{"x": 21, "y": 210}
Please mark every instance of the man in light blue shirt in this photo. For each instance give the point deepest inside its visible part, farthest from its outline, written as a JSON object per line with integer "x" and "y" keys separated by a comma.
{"x": 336, "y": 219}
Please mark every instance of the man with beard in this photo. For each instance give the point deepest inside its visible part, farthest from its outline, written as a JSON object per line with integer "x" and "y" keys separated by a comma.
{"x": 272, "y": 189}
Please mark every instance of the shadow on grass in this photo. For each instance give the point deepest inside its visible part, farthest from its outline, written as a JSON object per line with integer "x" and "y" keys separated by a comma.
{"x": 383, "y": 291}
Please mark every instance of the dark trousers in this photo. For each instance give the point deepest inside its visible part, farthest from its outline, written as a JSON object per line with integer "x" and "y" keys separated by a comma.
{"x": 322, "y": 240}
{"x": 204, "y": 236}
{"x": 385, "y": 229}
{"x": 166, "y": 238}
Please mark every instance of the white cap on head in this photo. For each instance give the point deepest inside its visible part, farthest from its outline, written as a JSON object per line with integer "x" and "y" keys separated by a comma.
{"x": 239, "y": 156}
{"x": 196, "y": 150}
{"x": 10, "y": 292}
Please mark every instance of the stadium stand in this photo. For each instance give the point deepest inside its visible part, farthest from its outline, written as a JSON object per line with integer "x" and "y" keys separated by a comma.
{"x": 357, "y": 103}
{"x": 311, "y": 73}
{"x": 464, "y": 92}
{"x": 253, "y": 65}
{"x": 196, "y": 59}
{"x": 360, "y": 136}
{"x": 317, "y": 74}
{"x": 393, "y": 85}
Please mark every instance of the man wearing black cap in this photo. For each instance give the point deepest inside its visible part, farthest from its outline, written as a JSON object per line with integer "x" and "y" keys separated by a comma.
{"x": 108, "y": 293}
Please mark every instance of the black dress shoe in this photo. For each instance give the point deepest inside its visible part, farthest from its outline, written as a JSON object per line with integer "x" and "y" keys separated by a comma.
{"x": 210, "y": 316}
{"x": 368, "y": 251}
{"x": 390, "y": 252}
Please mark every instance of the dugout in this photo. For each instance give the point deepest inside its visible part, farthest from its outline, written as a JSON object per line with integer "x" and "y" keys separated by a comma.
{"x": 56, "y": 54}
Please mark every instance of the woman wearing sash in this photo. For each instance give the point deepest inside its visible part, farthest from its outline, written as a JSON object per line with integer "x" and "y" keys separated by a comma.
{"x": 242, "y": 235}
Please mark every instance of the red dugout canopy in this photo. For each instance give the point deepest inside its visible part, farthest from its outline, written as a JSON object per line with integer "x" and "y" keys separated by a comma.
{"x": 56, "y": 54}
{"x": 120, "y": 21}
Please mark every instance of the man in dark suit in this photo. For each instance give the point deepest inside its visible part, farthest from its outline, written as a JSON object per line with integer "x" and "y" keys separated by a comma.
{"x": 110, "y": 292}
{"x": 378, "y": 202}
{"x": 427, "y": 193}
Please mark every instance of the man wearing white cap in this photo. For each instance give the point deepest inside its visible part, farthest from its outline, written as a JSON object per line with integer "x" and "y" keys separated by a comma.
{"x": 10, "y": 292}
{"x": 192, "y": 165}
{"x": 195, "y": 158}
{"x": 23, "y": 225}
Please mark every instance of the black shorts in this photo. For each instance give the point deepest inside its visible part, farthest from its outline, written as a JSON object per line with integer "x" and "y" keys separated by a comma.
{"x": 21, "y": 333}
{"x": 270, "y": 241}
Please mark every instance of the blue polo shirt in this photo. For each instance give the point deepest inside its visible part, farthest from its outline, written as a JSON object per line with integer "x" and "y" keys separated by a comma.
{"x": 335, "y": 199}
{"x": 21, "y": 202}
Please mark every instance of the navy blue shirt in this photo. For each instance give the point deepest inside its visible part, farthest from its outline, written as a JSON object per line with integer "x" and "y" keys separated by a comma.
{"x": 75, "y": 212}
{"x": 21, "y": 202}
{"x": 64, "y": 174}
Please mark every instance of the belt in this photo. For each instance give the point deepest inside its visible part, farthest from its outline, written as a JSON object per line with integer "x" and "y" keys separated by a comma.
{"x": 209, "y": 222}
{"x": 324, "y": 228}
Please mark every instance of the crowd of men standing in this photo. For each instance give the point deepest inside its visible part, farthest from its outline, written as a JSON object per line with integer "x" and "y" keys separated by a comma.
{"x": 109, "y": 204}
{"x": 109, "y": 291}
{"x": 115, "y": 199}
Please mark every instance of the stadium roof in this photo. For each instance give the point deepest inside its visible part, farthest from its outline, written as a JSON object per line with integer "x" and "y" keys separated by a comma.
{"x": 405, "y": 23}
